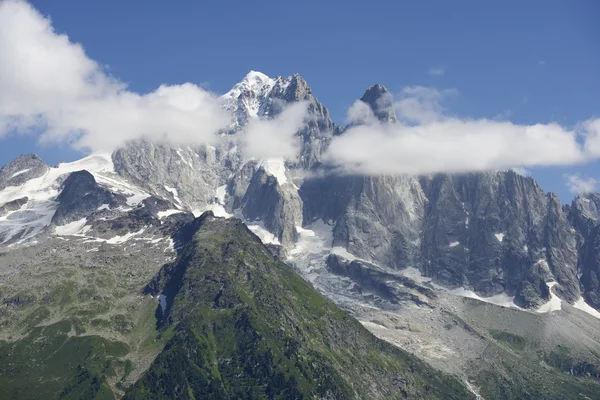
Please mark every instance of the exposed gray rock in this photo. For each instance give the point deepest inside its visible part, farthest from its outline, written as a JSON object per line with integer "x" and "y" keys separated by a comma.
{"x": 186, "y": 176}
{"x": 533, "y": 290}
{"x": 584, "y": 213}
{"x": 380, "y": 101}
{"x": 22, "y": 169}
{"x": 278, "y": 206}
{"x": 81, "y": 196}
{"x": 590, "y": 268}
{"x": 12, "y": 206}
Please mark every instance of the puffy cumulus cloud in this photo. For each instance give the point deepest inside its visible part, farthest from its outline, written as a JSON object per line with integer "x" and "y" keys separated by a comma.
{"x": 452, "y": 145}
{"x": 426, "y": 140}
{"x": 275, "y": 137}
{"x": 48, "y": 84}
{"x": 579, "y": 185}
{"x": 419, "y": 104}
{"x": 360, "y": 113}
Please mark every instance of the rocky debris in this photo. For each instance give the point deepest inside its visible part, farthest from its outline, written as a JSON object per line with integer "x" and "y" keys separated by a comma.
{"x": 370, "y": 280}
{"x": 81, "y": 196}
{"x": 22, "y": 169}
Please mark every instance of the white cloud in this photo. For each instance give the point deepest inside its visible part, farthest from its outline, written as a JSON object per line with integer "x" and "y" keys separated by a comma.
{"x": 426, "y": 140}
{"x": 360, "y": 113}
{"x": 579, "y": 185}
{"x": 275, "y": 137}
{"x": 437, "y": 71}
{"x": 521, "y": 171}
{"x": 48, "y": 83}
{"x": 452, "y": 145}
{"x": 419, "y": 104}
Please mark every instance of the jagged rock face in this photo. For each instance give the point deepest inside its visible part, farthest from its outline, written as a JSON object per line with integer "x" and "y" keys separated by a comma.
{"x": 186, "y": 176}
{"x": 487, "y": 230}
{"x": 533, "y": 291}
{"x": 81, "y": 196}
{"x": 259, "y": 96}
{"x": 380, "y": 101}
{"x": 584, "y": 213}
{"x": 22, "y": 169}
{"x": 382, "y": 220}
{"x": 590, "y": 268}
{"x": 278, "y": 205}
{"x": 484, "y": 231}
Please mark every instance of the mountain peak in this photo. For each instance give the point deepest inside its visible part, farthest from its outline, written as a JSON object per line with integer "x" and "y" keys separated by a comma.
{"x": 256, "y": 76}
{"x": 380, "y": 101}
{"x": 21, "y": 169}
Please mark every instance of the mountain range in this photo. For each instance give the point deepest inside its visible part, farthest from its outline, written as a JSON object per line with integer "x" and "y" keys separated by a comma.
{"x": 162, "y": 271}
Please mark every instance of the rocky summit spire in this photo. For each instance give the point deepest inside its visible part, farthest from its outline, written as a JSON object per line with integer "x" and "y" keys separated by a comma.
{"x": 380, "y": 101}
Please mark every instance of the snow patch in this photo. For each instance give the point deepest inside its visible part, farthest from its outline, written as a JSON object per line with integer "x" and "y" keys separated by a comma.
{"x": 166, "y": 213}
{"x": 585, "y": 307}
{"x": 137, "y": 198}
{"x": 453, "y": 244}
{"x": 275, "y": 167}
{"x": 19, "y": 173}
{"x": 174, "y": 192}
{"x": 264, "y": 235}
{"x": 122, "y": 239}
{"x": 316, "y": 238}
{"x": 499, "y": 236}
{"x": 554, "y": 304}
{"x": 103, "y": 207}
{"x": 162, "y": 301}
{"x": 415, "y": 275}
{"x": 71, "y": 229}
{"x": 501, "y": 299}
{"x": 369, "y": 324}
{"x": 220, "y": 194}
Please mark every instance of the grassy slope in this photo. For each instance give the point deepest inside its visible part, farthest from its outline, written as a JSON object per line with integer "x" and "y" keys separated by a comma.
{"x": 246, "y": 326}
{"x": 522, "y": 370}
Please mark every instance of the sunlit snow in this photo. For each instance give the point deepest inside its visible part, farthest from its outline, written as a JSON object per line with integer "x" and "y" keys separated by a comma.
{"x": 554, "y": 304}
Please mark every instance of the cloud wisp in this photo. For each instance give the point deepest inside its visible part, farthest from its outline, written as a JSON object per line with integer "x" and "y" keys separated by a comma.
{"x": 427, "y": 140}
{"x": 578, "y": 184}
{"x": 436, "y": 71}
{"x": 49, "y": 86}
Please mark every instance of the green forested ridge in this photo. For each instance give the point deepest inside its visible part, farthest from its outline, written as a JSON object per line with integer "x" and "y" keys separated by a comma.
{"x": 246, "y": 326}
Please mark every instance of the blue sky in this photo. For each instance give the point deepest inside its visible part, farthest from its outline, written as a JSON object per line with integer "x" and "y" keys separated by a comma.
{"x": 528, "y": 62}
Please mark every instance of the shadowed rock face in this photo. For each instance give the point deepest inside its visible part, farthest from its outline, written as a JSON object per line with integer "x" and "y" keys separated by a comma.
{"x": 81, "y": 196}
{"x": 12, "y": 206}
{"x": 22, "y": 169}
{"x": 278, "y": 206}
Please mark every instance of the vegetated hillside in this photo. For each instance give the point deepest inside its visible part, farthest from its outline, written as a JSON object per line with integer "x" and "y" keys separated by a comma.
{"x": 242, "y": 324}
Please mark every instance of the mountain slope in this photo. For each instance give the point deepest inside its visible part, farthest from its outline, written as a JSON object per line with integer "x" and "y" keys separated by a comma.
{"x": 245, "y": 325}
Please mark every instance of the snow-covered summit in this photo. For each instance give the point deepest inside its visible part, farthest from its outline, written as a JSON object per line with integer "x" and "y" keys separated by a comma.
{"x": 253, "y": 96}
